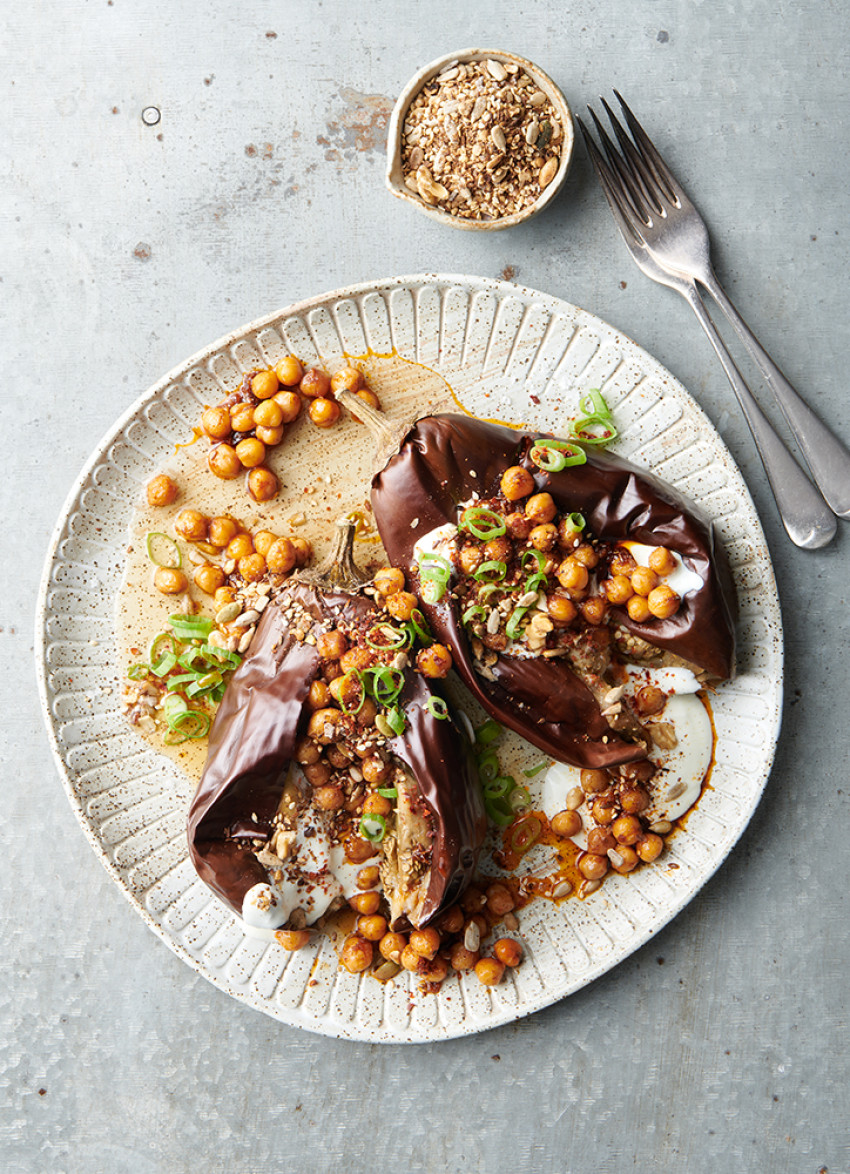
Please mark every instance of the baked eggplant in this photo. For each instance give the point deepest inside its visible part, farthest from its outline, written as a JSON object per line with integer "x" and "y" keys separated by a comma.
{"x": 561, "y": 692}
{"x": 268, "y": 738}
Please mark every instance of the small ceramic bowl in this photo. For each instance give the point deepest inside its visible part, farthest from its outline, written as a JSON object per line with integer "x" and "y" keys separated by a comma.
{"x": 395, "y": 174}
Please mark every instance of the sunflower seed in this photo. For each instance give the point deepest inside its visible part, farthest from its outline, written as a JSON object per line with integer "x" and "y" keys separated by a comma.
{"x": 547, "y": 172}
{"x": 493, "y": 621}
{"x": 614, "y": 695}
{"x": 538, "y": 98}
{"x": 615, "y": 857}
{"x": 447, "y": 75}
{"x": 563, "y": 889}
{"x": 590, "y": 886}
{"x": 661, "y": 827}
{"x": 498, "y": 137}
{"x": 526, "y": 600}
{"x": 676, "y": 791}
{"x": 496, "y": 70}
{"x": 532, "y": 131}
{"x": 575, "y": 798}
{"x": 247, "y": 619}
{"x": 478, "y": 109}
{"x": 472, "y": 937}
{"x": 417, "y": 155}
{"x": 245, "y": 642}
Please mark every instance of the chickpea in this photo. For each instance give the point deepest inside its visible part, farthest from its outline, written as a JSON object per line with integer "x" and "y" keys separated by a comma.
{"x": 375, "y": 770}
{"x": 452, "y": 920}
{"x": 594, "y": 609}
{"x": 501, "y": 549}
{"x": 433, "y": 971}
{"x": 264, "y": 384}
{"x": 618, "y": 590}
{"x": 239, "y": 546}
{"x": 368, "y": 713}
{"x": 593, "y": 781}
{"x": 518, "y": 526}
{"x": 263, "y": 541}
{"x": 622, "y": 562}
{"x": 215, "y": 422}
{"x": 365, "y": 903}
{"x": 473, "y": 900}
{"x": 251, "y": 452}
{"x": 307, "y": 752}
{"x": 409, "y": 959}
{"x": 650, "y": 847}
{"x": 592, "y": 867}
{"x": 262, "y": 484}
{"x": 368, "y": 877}
{"x": 627, "y": 829}
{"x": 331, "y": 645}
{"x": 346, "y": 379}
{"x": 641, "y": 771}
{"x": 315, "y": 384}
{"x": 242, "y": 418}
{"x": 328, "y": 798}
{"x": 508, "y": 950}
{"x": 161, "y": 490}
{"x": 319, "y": 696}
{"x": 375, "y": 804}
{"x": 292, "y": 939}
{"x": 389, "y": 580}
{"x": 471, "y": 558}
{"x": 357, "y": 850}
{"x": 209, "y": 578}
{"x": 489, "y": 971}
{"x": 434, "y": 662}
{"x": 544, "y": 537}
{"x": 372, "y": 927}
{"x": 192, "y": 525}
{"x": 368, "y": 396}
{"x": 561, "y": 609}
{"x": 289, "y": 403}
{"x": 516, "y": 482}
{"x": 600, "y": 841}
{"x": 541, "y": 508}
{"x": 346, "y": 691}
{"x": 303, "y": 551}
{"x": 268, "y": 414}
{"x": 500, "y": 899}
{"x": 280, "y": 558}
{"x": 604, "y": 809}
{"x": 222, "y": 531}
{"x": 322, "y": 726}
{"x": 633, "y": 800}
{"x": 402, "y": 604}
{"x": 650, "y": 700}
{"x": 224, "y": 462}
{"x": 269, "y": 436}
{"x": 338, "y": 756}
{"x": 572, "y": 575}
{"x": 463, "y": 959}
{"x": 644, "y": 580}
{"x": 356, "y": 659}
{"x": 170, "y": 581}
{"x": 324, "y": 412}
{"x": 628, "y": 859}
{"x": 663, "y": 602}
{"x": 426, "y": 942}
{"x": 223, "y": 596}
{"x": 662, "y": 561}
{"x": 392, "y": 945}
{"x": 317, "y": 774}
{"x": 356, "y": 954}
{"x": 638, "y": 609}
{"x": 566, "y": 824}
{"x": 289, "y": 371}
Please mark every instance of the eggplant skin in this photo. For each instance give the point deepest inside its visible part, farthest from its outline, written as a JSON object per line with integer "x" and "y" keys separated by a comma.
{"x": 263, "y": 715}
{"x": 445, "y": 460}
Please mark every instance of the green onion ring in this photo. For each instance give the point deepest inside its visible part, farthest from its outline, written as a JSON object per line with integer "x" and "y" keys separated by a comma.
{"x": 472, "y": 612}
{"x": 432, "y": 590}
{"x": 536, "y": 769}
{"x": 473, "y": 516}
{"x": 191, "y": 627}
{"x": 434, "y": 566}
{"x": 526, "y": 833}
{"x": 538, "y": 556}
{"x": 395, "y": 638}
{"x": 494, "y": 566}
{"x": 488, "y": 766}
{"x": 373, "y": 828}
{"x": 582, "y": 430}
{"x": 386, "y": 683}
{"x": 163, "y": 551}
{"x": 138, "y": 672}
{"x": 593, "y": 404}
{"x": 387, "y": 792}
{"x": 437, "y": 708}
{"x": 418, "y": 628}
{"x": 513, "y": 629}
{"x": 165, "y": 665}
{"x": 535, "y": 582}
{"x": 352, "y": 675}
{"x": 499, "y": 812}
{"x": 498, "y": 787}
{"x": 396, "y": 720}
{"x": 488, "y": 732}
{"x": 519, "y": 799}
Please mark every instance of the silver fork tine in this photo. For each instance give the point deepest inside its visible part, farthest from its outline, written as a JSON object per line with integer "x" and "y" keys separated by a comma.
{"x": 663, "y": 173}
{"x": 629, "y": 185}
{"x": 622, "y": 211}
{"x": 649, "y": 183}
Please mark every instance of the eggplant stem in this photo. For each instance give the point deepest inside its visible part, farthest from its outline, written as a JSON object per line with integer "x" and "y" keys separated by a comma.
{"x": 386, "y": 435}
{"x": 339, "y": 569}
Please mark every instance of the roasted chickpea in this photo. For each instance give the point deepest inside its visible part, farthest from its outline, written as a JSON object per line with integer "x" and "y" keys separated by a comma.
{"x": 222, "y": 531}
{"x": 375, "y": 804}
{"x": 618, "y": 590}
{"x": 426, "y": 942}
{"x": 561, "y": 609}
{"x": 357, "y": 850}
{"x": 402, "y": 604}
{"x": 215, "y": 422}
{"x": 544, "y": 537}
{"x": 368, "y": 713}
{"x": 650, "y": 700}
{"x": 641, "y": 771}
{"x": 289, "y": 371}
{"x": 540, "y": 508}
{"x": 252, "y": 567}
{"x": 572, "y": 575}
{"x": 434, "y": 970}
{"x": 331, "y": 645}
{"x": 280, "y": 557}
{"x": 239, "y": 546}
{"x": 328, "y": 798}
{"x": 434, "y": 661}
{"x": 473, "y": 900}
{"x": 263, "y": 541}
{"x": 409, "y": 959}
{"x": 452, "y": 920}
{"x": 223, "y": 596}
{"x": 592, "y": 867}
{"x": 356, "y": 954}
{"x": 192, "y": 525}
{"x": 251, "y": 452}
{"x": 338, "y": 756}
{"x": 600, "y": 841}
{"x": 375, "y": 770}
{"x": 262, "y": 484}
{"x": 290, "y": 403}
{"x": 209, "y": 578}
{"x": 627, "y": 829}
{"x": 324, "y": 412}
{"x": 322, "y": 727}
{"x": 500, "y": 549}
{"x": 317, "y": 774}
{"x": 518, "y": 526}
{"x": 633, "y": 800}
{"x": 319, "y": 696}
{"x": 269, "y": 436}
{"x": 594, "y": 781}
{"x": 170, "y": 581}
{"x": 161, "y": 490}
{"x": 224, "y": 462}
{"x": 644, "y": 580}
{"x": 622, "y": 562}
{"x": 516, "y": 482}
{"x": 391, "y": 946}
{"x": 638, "y": 609}
{"x": 365, "y": 903}
{"x": 315, "y": 384}
{"x": 242, "y": 418}
{"x": 388, "y": 580}
{"x": 372, "y": 927}
{"x": 489, "y": 971}
{"x": 303, "y": 551}
{"x": 662, "y": 561}
{"x": 500, "y": 899}
{"x": 471, "y": 558}
{"x": 508, "y": 951}
{"x": 461, "y": 958}
{"x": 346, "y": 691}
{"x": 292, "y": 939}
{"x": 346, "y": 379}
{"x": 268, "y": 414}
{"x": 307, "y": 752}
{"x": 368, "y": 877}
{"x": 663, "y": 602}
{"x": 650, "y": 847}
{"x": 594, "y": 609}
{"x": 566, "y": 823}
{"x": 586, "y": 555}
{"x": 627, "y": 856}
{"x": 264, "y": 384}
{"x": 604, "y": 809}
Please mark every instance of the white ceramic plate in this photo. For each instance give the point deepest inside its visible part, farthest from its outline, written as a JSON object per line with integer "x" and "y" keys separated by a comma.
{"x": 507, "y": 352}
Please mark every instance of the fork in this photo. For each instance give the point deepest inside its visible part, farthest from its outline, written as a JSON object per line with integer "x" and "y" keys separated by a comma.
{"x": 638, "y": 187}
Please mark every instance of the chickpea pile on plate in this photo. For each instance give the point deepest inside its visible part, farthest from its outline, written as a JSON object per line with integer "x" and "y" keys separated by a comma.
{"x": 254, "y": 418}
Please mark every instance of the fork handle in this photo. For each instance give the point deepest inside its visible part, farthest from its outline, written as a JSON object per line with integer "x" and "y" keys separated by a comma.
{"x": 826, "y": 456}
{"x": 808, "y": 521}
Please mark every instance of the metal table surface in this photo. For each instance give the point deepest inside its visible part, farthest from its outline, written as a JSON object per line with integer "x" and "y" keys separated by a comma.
{"x": 722, "y": 1045}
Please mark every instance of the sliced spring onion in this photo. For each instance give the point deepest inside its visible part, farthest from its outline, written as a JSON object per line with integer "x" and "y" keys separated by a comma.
{"x": 526, "y": 833}
{"x": 164, "y": 665}
{"x": 471, "y": 612}
{"x": 175, "y": 684}
{"x": 499, "y": 811}
{"x": 387, "y": 792}
{"x": 138, "y": 672}
{"x": 173, "y": 706}
{"x": 396, "y": 719}
{"x": 386, "y": 683}
{"x": 483, "y": 523}
{"x": 595, "y": 431}
{"x": 373, "y": 828}
{"x": 514, "y": 626}
{"x": 536, "y": 556}
{"x": 488, "y": 767}
{"x": 432, "y": 590}
{"x": 162, "y": 550}
{"x": 191, "y": 627}
{"x": 351, "y": 675}
{"x": 161, "y": 644}
{"x": 593, "y": 404}
{"x": 189, "y": 724}
{"x": 498, "y": 787}
{"x": 384, "y": 638}
{"x": 576, "y": 522}
{"x": 488, "y": 732}
{"x": 418, "y": 629}
{"x": 434, "y": 566}
{"x": 489, "y": 589}
{"x": 535, "y": 582}
{"x": 536, "y": 769}
{"x": 519, "y": 799}
{"x": 231, "y": 660}
{"x": 492, "y": 571}
{"x": 437, "y": 708}
{"x": 553, "y": 456}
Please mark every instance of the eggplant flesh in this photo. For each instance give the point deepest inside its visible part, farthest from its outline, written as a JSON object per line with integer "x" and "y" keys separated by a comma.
{"x": 445, "y": 462}
{"x": 433, "y": 838}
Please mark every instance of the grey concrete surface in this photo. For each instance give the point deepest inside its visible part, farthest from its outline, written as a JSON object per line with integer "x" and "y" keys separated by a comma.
{"x": 723, "y": 1044}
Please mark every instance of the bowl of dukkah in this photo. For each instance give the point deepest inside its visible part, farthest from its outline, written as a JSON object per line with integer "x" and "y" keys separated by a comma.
{"x": 479, "y": 139}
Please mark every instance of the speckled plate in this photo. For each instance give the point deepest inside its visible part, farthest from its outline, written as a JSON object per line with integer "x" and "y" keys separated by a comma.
{"x": 507, "y": 352}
